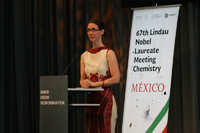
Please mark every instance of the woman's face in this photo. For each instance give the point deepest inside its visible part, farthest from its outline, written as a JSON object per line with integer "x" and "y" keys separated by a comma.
{"x": 94, "y": 33}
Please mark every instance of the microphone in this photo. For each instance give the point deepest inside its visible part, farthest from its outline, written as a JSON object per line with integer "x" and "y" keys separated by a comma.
{"x": 72, "y": 60}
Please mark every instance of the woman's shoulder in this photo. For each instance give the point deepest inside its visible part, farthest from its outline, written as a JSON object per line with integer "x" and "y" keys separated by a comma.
{"x": 110, "y": 54}
{"x": 84, "y": 54}
{"x": 110, "y": 51}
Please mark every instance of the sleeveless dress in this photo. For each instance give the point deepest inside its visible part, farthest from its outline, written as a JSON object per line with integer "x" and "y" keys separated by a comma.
{"x": 101, "y": 119}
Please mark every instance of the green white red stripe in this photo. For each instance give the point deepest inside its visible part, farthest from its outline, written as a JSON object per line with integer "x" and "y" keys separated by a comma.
{"x": 159, "y": 118}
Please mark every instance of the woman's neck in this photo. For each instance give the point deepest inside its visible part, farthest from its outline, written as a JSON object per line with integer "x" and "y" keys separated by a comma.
{"x": 97, "y": 44}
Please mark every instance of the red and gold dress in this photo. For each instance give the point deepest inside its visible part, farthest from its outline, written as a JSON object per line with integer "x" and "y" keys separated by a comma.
{"x": 101, "y": 119}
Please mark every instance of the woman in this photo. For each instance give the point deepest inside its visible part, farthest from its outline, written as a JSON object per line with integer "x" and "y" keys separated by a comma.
{"x": 99, "y": 68}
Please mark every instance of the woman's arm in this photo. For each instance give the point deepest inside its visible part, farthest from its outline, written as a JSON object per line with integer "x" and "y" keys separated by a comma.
{"x": 83, "y": 80}
{"x": 114, "y": 69}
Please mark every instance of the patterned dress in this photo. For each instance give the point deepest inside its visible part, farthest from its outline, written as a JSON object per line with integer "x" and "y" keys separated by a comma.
{"x": 101, "y": 119}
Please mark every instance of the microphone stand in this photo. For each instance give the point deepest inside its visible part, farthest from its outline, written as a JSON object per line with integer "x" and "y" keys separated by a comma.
{"x": 72, "y": 61}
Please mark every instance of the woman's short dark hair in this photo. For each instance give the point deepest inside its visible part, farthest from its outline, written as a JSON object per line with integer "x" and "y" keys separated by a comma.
{"x": 100, "y": 25}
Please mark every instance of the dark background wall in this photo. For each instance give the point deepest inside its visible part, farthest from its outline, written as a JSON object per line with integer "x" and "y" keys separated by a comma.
{"x": 40, "y": 37}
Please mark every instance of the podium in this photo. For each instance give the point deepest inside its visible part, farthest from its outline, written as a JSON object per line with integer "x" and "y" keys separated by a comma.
{"x": 54, "y": 104}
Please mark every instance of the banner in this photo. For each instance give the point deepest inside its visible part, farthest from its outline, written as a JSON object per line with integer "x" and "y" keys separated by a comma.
{"x": 149, "y": 70}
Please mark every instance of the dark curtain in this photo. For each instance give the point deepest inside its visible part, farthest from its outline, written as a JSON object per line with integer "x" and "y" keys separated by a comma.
{"x": 184, "y": 104}
{"x": 41, "y": 37}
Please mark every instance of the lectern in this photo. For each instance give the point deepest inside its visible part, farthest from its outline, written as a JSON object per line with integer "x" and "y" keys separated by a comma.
{"x": 54, "y": 104}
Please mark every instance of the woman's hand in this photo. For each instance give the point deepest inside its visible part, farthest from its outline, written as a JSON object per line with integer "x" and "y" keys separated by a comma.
{"x": 85, "y": 83}
{"x": 92, "y": 84}
{"x": 88, "y": 83}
